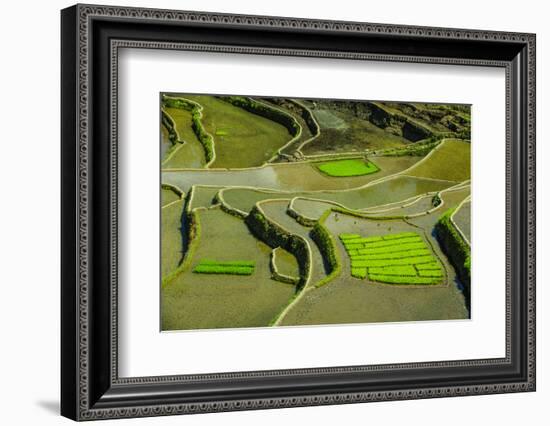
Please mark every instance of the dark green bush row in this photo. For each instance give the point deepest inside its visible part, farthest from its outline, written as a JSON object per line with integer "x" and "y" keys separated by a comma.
{"x": 168, "y": 123}
{"x": 275, "y": 236}
{"x": 414, "y": 149}
{"x": 308, "y": 118}
{"x": 181, "y": 103}
{"x": 436, "y": 200}
{"x": 456, "y": 249}
{"x": 262, "y": 110}
{"x": 172, "y": 188}
{"x": 410, "y": 129}
{"x": 327, "y": 247}
{"x": 202, "y": 135}
{"x": 301, "y": 219}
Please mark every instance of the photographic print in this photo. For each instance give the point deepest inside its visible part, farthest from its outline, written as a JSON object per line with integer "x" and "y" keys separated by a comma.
{"x": 283, "y": 211}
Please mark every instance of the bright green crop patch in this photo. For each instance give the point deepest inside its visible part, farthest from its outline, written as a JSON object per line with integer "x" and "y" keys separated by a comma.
{"x": 238, "y": 267}
{"x": 346, "y": 168}
{"x": 430, "y": 273}
{"x": 394, "y": 248}
{"x": 429, "y": 266}
{"x": 403, "y": 258}
{"x": 346, "y": 237}
{"x": 393, "y": 255}
{"x": 391, "y": 262}
{"x": 359, "y": 272}
{"x": 396, "y": 279}
{"x": 404, "y": 270}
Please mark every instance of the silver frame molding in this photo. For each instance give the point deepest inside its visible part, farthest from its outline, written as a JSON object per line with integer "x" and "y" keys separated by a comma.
{"x": 91, "y": 39}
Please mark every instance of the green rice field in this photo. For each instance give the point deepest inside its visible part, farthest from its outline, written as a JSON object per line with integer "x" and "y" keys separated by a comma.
{"x": 345, "y": 168}
{"x": 402, "y": 258}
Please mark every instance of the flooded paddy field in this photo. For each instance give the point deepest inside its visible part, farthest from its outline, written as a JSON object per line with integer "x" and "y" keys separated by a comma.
{"x": 196, "y": 301}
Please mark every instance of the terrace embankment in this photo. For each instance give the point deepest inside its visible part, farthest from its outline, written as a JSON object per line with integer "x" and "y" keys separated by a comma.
{"x": 456, "y": 249}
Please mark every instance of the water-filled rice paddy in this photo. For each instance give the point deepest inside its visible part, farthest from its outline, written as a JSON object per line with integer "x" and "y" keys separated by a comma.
{"x": 168, "y": 196}
{"x": 302, "y": 176}
{"x": 285, "y": 263}
{"x": 392, "y": 190}
{"x": 190, "y": 153}
{"x": 243, "y": 139}
{"x": 197, "y": 301}
{"x": 450, "y": 161}
{"x": 344, "y": 300}
{"x": 203, "y": 196}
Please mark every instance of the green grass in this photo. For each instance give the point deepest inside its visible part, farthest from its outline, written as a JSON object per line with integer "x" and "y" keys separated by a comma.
{"x": 390, "y": 255}
{"x": 232, "y": 267}
{"x": 412, "y": 260}
{"x": 430, "y": 273}
{"x": 450, "y": 161}
{"x": 346, "y": 168}
{"x": 428, "y": 266}
{"x": 403, "y": 270}
{"x": 347, "y": 237}
{"x": 359, "y": 272}
{"x": 395, "y": 279}
{"x": 392, "y": 259}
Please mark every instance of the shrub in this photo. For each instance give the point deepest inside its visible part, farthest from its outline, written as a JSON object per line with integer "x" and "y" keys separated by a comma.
{"x": 263, "y": 110}
{"x": 327, "y": 247}
{"x": 274, "y": 236}
{"x": 455, "y": 248}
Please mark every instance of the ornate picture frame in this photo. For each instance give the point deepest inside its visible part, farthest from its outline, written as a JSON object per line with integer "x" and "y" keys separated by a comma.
{"x": 91, "y": 37}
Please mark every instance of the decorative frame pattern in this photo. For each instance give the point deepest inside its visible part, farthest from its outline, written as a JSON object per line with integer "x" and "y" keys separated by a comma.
{"x": 85, "y": 396}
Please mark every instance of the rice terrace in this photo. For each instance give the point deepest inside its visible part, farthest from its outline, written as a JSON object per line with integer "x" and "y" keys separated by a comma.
{"x": 288, "y": 211}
